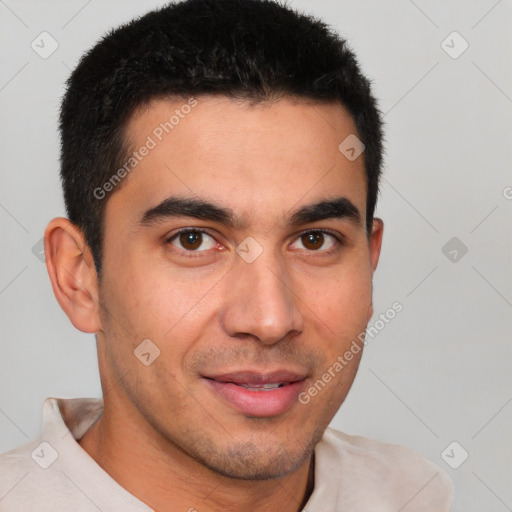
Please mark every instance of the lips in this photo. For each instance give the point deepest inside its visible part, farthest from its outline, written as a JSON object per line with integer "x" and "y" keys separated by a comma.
{"x": 258, "y": 394}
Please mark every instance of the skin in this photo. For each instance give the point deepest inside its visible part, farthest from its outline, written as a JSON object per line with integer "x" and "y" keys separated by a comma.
{"x": 164, "y": 435}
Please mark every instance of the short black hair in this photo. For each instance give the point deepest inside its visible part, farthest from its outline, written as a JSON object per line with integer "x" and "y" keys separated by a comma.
{"x": 258, "y": 50}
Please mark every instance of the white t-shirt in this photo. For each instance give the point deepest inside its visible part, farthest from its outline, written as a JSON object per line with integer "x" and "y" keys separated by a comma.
{"x": 352, "y": 473}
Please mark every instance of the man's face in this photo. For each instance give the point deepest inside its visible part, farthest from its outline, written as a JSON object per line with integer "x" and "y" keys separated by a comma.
{"x": 243, "y": 325}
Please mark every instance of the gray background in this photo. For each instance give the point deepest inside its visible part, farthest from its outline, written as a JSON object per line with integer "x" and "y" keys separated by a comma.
{"x": 440, "y": 371}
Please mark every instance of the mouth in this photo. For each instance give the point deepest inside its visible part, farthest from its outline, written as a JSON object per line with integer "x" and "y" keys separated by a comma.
{"x": 258, "y": 394}
{"x": 263, "y": 387}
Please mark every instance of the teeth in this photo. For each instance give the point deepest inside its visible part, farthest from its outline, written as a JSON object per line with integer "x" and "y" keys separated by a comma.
{"x": 262, "y": 387}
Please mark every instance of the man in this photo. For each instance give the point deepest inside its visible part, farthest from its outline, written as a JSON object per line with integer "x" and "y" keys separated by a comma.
{"x": 220, "y": 164}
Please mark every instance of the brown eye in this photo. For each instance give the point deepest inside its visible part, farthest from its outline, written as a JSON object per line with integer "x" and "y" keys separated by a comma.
{"x": 192, "y": 240}
{"x": 313, "y": 240}
{"x": 318, "y": 241}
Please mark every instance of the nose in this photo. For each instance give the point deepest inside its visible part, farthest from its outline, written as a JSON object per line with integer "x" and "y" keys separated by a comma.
{"x": 261, "y": 302}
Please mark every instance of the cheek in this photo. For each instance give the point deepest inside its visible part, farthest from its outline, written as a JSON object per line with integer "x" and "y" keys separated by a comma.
{"x": 349, "y": 306}
{"x": 157, "y": 304}
{"x": 343, "y": 302}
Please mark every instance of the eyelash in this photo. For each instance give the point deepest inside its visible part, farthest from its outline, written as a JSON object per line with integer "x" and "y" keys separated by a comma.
{"x": 194, "y": 254}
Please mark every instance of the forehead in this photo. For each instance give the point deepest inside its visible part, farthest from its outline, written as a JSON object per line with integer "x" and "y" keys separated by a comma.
{"x": 259, "y": 159}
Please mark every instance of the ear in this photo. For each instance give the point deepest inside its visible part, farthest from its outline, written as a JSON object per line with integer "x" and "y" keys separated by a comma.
{"x": 375, "y": 244}
{"x": 72, "y": 274}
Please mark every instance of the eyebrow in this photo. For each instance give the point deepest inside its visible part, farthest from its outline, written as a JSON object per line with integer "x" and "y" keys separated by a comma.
{"x": 332, "y": 208}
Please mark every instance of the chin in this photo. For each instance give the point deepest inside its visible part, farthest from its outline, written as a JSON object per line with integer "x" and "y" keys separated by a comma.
{"x": 248, "y": 461}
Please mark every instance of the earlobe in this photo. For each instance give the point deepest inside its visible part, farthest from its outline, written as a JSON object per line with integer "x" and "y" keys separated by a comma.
{"x": 72, "y": 274}
{"x": 376, "y": 242}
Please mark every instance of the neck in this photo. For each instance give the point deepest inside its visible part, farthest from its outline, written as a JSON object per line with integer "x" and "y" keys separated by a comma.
{"x": 166, "y": 478}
